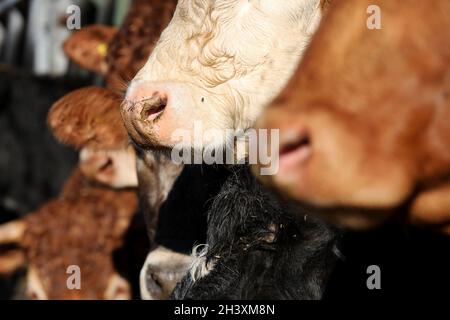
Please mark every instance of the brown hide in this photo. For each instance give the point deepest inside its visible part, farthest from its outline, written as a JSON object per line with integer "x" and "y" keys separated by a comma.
{"x": 83, "y": 227}
{"x": 88, "y": 47}
{"x": 135, "y": 40}
{"x": 365, "y": 120}
{"x": 89, "y": 117}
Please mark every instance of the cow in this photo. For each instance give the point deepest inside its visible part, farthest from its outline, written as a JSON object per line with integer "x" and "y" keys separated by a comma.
{"x": 258, "y": 249}
{"x": 217, "y": 63}
{"x": 72, "y": 237}
{"x": 135, "y": 40}
{"x": 117, "y": 54}
{"x": 87, "y": 223}
{"x": 363, "y": 129}
{"x": 88, "y": 119}
{"x": 215, "y": 67}
{"x": 88, "y": 47}
{"x": 182, "y": 224}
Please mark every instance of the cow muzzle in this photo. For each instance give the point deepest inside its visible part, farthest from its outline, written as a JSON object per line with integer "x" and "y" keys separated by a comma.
{"x": 153, "y": 110}
{"x": 161, "y": 272}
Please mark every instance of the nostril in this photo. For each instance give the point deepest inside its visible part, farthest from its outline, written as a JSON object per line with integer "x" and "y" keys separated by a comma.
{"x": 153, "y": 107}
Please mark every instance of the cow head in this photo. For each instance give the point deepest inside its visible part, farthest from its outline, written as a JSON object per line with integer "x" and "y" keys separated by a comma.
{"x": 89, "y": 119}
{"x": 364, "y": 121}
{"x": 70, "y": 241}
{"x": 215, "y": 66}
{"x": 88, "y": 47}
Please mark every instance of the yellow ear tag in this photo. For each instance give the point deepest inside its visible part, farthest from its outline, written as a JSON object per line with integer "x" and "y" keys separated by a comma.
{"x": 102, "y": 49}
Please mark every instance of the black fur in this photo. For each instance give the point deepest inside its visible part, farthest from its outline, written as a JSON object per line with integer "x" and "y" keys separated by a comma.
{"x": 243, "y": 220}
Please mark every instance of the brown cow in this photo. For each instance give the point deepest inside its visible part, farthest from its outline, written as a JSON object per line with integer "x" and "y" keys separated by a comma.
{"x": 365, "y": 120}
{"x": 89, "y": 120}
{"x": 89, "y": 47}
{"x": 82, "y": 228}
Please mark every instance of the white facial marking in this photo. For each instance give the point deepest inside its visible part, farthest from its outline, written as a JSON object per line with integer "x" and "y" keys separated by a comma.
{"x": 224, "y": 61}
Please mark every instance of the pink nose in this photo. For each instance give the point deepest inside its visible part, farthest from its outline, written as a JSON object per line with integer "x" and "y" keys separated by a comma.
{"x": 145, "y": 102}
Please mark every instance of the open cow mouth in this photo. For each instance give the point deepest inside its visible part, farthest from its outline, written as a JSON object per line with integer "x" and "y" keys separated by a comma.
{"x": 153, "y": 108}
{"x": 294, "y": 149}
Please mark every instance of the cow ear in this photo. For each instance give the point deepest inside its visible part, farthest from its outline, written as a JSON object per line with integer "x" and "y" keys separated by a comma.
{"x": 88, "y": 47}
{"x": 89, "y": 117}
{"x": 11, "y": 260}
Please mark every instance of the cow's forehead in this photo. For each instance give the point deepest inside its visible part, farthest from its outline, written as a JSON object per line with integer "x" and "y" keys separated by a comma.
{"x": 244, "y": 31}
{"x": 294, "y": 8}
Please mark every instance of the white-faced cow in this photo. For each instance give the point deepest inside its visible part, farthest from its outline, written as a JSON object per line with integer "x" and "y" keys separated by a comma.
{"x": 217, "y": 64}
{"x": 215, "y": 67}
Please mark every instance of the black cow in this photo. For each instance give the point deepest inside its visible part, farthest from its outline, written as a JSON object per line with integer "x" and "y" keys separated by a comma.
{"x": 258, "y": 248}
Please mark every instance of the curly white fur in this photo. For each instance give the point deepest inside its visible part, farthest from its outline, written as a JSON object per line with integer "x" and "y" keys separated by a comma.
{"x": 234, "y": 56}
{"x": 200, "y": 267}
